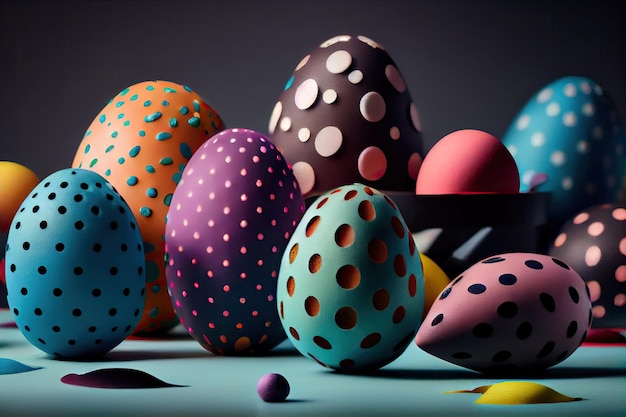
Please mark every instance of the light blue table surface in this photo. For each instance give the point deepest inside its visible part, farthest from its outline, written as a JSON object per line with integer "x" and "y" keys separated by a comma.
{"x": 413, "y": 385}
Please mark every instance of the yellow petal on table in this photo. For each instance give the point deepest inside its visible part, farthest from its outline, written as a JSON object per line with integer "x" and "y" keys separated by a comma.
{"x": 517, "y": 392}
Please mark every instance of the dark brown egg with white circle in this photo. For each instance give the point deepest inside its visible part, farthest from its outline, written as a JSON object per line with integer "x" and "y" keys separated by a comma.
{"x": 230, "y": 219}
{"x": 510, "y": 313}
{"x": 594, "y": 243}
{"x": 345, "y": 116}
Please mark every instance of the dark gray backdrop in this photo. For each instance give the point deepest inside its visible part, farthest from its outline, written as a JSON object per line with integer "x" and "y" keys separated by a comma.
{"x": 468, "y": 64}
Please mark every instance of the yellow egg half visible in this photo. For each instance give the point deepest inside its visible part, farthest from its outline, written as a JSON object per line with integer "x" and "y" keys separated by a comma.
{"x": 140, "y": 142}
{"x": 435, "y": 280}
{"x": 16, "y": 181}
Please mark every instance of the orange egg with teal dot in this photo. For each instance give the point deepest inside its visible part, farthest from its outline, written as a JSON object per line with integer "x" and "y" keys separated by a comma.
{"x": 140, "y": 142}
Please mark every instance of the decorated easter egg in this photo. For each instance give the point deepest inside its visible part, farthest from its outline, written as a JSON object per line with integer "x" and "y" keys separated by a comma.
{"x": 351, "y": 288}
{"x": 468, "y": 161}
{"x": 509, "y": 313}
{"x": 435, "y": 280}
{"x": 346, "y": 115}
{"x": 571, "y": 131}
{"x": 140, "y": 142}
{"x": 75, "y": 268}
{"x": 231, "y": 217}
{"x": 16, "y": 181}
{"x": 593, "y": 242}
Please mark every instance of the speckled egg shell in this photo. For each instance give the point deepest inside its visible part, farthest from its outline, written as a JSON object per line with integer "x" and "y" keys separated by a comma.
{"x": 351, "y": 286}
{"x": 468, "y": 161}
{"x": 594, "y": 243}
{"x": 346, "y": 115}
{"x": 75, "y": 266}
{"x": 231, "y": 217}
{"x": 571, "y": 131}
{"x": 140, "y": 142}
{"x": 510, "y": 313}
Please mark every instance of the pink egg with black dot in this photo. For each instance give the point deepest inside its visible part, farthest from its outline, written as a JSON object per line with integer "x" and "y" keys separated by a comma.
{"x": 230, "y": 219}
{"x": 509, "y": 314}
{"x": 593, "y": 242}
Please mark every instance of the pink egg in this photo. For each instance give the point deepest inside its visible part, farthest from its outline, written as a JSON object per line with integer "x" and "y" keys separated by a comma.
{"x": 468, "y": 161}
{"x": 514, "y": 312}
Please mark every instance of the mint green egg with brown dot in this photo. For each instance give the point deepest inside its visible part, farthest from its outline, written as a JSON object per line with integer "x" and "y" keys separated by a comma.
{"x": 350, "y": 289}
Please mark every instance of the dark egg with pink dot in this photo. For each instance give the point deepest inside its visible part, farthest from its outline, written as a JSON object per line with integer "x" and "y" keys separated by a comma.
{"x": 351, "y": 285}
{"x": 593, "y": 242}
{"x": 229, "y": 222}
{"x": 273, "y": 388}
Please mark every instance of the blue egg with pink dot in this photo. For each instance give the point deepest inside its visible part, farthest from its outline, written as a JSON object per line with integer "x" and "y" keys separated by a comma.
{"x": 570, "y": 133}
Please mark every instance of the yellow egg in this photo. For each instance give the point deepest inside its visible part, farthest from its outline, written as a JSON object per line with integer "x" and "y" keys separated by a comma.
{"x": 435, "y": 280}
{"x": 16, "y": 181}
{"x": 517, "y": 392}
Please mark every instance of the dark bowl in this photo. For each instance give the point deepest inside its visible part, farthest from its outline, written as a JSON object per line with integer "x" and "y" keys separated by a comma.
{"x": 458, "y": 230}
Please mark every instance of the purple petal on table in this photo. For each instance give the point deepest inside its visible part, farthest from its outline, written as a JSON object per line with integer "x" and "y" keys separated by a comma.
{"x": 116, "y": 378}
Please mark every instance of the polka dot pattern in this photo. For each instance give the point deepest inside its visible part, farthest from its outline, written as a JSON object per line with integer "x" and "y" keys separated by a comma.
{"x": 140, "y": 142}
{"x": 76, "y": 269}
{"x": 570, "y": 130}
{"x": 514, "y": 312}
{"x": 350, "y": 286}
{"x": 231, "y": 218}
{"x": 350, "y": 97}
{"x": 592, "y": 242}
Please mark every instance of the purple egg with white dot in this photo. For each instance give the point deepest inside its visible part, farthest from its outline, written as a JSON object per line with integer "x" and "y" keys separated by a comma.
{"x": 230, "y": 219}
{"x": 273, "y": 388}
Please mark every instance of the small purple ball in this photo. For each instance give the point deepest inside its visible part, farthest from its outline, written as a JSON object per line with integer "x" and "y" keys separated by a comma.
{"x": 273, "y": 388}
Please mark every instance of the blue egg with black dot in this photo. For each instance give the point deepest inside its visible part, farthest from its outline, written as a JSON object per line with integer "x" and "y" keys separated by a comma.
{"x": 75, "y": 266}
